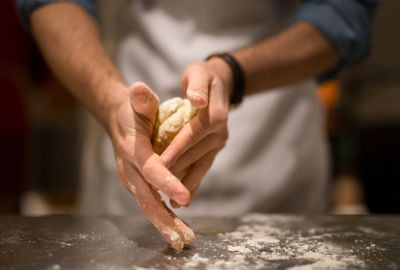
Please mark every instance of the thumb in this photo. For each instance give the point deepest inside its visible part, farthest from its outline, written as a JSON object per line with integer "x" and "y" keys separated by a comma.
{"x": 196, "y": 81}
{"x": 143, "y": 101}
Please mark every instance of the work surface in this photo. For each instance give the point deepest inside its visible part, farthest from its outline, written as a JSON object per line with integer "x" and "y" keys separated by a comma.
{"x": 253, "y": 241}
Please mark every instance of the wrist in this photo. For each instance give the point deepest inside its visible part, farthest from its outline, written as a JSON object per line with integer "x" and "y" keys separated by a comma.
{"x": 108, "y": 105}
{"x": 237, "y": 76}
{"x": 224, "y": 72}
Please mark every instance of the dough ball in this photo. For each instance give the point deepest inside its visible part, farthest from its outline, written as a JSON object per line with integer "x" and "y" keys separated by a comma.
{"x": 172, "y": 115}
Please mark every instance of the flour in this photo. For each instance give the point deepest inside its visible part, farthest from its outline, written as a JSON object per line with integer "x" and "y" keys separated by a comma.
{"x": 259, "y": 240}
{"x": 195, "y": 261}
{"x": 285, "y": 242}
{"x": 174, "y": 236}
{"x": 240, "y": 249}
{"x": 323, "y": 264}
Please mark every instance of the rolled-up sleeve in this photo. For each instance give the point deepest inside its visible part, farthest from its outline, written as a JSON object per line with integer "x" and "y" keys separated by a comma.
{"x": 346, "y": 24}
{"x": 25, "y": 7}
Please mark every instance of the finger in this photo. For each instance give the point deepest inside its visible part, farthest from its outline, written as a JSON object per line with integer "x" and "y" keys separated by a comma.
{"x": 187, "y": 233}
{"x": 198, "y": 170}
{"x": 173, "y": 230}
{"x": 189, "y": 135}
{"x": 196, "y": 173}
{"x": 145, "y": 104}
{"x": 155, "y": 173}
{"x": 180, "y": 175}
{"x": 143, "y": 101}
{"x": 218, "y": 102}
{"x": 122, "y": 176}
{"x": 208, "y": 120}
{"x": 200, "y": 149}
{"x": 196, "y": 81}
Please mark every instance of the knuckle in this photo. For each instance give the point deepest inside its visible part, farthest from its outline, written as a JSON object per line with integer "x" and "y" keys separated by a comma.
{"x": 216, "y": 84}
{"x": 223, "y": 138}
{"x": 203, "y": 130}
{"x": 126, "y": 151}
{"x": 197, "y": 63}
{"x": 196, "y": 153}
{"x": 188, "y": 159}
{"x": 196, "y": 66}
{"x": 225, "y": 135}
{"x": 168, "y": 159}
{"x": 147, "y": 169}
{"x": 221, "y": 147}
{"x": 184, "y": 78}
{"x": 120, "y": 167}
{"x": 219, "y": 119}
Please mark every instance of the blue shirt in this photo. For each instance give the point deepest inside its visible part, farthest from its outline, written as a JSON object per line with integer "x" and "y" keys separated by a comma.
{"x": 346, "y": 24}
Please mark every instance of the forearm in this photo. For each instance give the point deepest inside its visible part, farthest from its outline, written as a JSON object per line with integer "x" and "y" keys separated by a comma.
{"x": 295, "y": 54}
{"x": 70, "y": 42}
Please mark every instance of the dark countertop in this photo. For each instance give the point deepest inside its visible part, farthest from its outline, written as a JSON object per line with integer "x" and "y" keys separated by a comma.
{"x": 253, "y": 241}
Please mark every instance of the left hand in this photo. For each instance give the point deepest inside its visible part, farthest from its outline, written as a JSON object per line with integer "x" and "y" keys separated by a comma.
{"x": 207, "y": 86}
{"x": 141, "y": 170}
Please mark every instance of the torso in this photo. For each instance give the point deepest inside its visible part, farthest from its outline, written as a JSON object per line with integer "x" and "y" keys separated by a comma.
{"x": 275, "y": 158}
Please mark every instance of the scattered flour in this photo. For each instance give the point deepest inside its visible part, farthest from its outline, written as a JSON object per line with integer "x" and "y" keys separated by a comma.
{"x": 195, "y": 261}
{"x": 261, "y": 241}
{"x": 323, "y": 264}
{"x": 241, "y": 249}
{"x": 282, "y": 242}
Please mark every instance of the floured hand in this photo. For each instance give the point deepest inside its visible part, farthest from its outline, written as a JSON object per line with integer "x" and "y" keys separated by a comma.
{"x": 143, "y": 172}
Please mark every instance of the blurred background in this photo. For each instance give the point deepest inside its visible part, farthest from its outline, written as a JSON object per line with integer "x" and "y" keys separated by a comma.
{"x": 40, "y": 126}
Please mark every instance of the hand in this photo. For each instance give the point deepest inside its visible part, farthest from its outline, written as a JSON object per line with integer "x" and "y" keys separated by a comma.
{"x": 142, "y": 171}
{"x": 208, "y": 86}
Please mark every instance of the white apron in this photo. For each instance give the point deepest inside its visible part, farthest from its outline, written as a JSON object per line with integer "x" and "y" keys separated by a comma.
{"x": 275, "y": 159}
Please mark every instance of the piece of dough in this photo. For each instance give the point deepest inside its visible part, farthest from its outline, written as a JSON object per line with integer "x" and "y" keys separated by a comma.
{"x": 172, "y": 115}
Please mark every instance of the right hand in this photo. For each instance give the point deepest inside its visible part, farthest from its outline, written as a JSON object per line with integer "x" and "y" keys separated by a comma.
{"x": 142, "y": 171}
{"x": 208, "y": 86}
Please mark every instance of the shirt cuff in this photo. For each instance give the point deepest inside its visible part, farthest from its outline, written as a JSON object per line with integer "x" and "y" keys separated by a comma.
{"x": 345, "y": 24}
{"x": 26, "y": 7}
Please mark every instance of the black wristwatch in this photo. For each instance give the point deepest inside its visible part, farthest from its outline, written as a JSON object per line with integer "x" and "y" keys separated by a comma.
{"x": 238, "y": 77}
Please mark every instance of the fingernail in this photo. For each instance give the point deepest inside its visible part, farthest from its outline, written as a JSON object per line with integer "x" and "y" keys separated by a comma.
{"x": 198, "y": 96}
{"x": 181, "y": 199}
